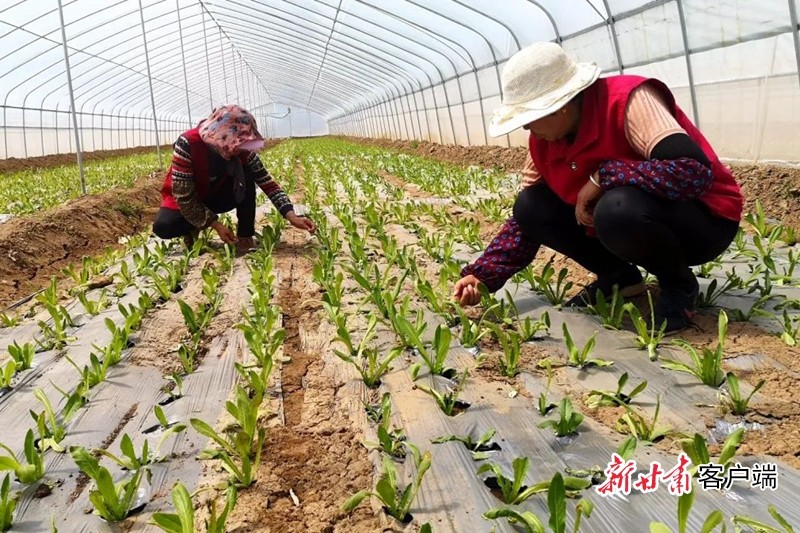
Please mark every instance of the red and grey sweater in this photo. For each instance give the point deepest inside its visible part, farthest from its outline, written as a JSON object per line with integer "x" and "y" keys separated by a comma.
{"x": 189, "y": 181}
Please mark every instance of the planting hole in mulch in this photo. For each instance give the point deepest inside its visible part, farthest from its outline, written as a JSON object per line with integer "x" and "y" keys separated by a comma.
{"x": 405, "y": 521}
{"x": 494, "y": 487}
{"x": 170, "y": 399}
{"x": 459, "y": 407}
{"x": 490, "y": 447}
{"x": 450, "y": 373}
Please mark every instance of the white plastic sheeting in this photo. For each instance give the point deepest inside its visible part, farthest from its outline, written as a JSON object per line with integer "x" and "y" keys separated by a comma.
{"x": 413, "y": 69}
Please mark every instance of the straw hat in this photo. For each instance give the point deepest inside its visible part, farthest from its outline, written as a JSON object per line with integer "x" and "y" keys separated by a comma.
{"x": 538, "y": 80}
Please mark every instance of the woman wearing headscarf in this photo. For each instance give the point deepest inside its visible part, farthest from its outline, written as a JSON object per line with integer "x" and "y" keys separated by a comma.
{"x": 215, "y": 168}
{"x": 617, "y": 177}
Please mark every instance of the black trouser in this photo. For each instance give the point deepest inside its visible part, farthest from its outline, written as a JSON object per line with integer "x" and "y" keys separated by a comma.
{"x": 664, "y": 237}
{"x": 170, "y": 223}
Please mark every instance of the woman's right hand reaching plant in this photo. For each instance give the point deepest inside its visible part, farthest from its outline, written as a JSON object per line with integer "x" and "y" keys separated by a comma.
{"x": 224, "y": 232}
{"x": 466, "y": 291}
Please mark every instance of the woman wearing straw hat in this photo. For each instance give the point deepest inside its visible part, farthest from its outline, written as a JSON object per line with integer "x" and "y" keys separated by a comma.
{"x": 617, "y": 177}
{"x": 215, "y": 169}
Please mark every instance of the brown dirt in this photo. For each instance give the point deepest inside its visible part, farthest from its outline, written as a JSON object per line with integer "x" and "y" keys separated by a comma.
{"x": 776, "y": 186}
{"x": 164, "y": 329}
{"x": 34, "y": 248}
{"x": 317, "y": 455}
{"x": 14, "y": 164}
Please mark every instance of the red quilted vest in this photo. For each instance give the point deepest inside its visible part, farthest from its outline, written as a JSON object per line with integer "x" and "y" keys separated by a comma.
{"x": 200, "y": 153}
{"x": 566, "y": 167}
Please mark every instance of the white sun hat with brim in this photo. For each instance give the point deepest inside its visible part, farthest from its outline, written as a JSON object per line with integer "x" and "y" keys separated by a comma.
{"x": 538, "y": 80}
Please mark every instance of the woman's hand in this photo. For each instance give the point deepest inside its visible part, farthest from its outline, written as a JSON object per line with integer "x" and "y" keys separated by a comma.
{"x": 224, "y": 232}
{"x": 466, "y": 291}
{"x": 587, "y": 199}
{"x": 301, "y": 222}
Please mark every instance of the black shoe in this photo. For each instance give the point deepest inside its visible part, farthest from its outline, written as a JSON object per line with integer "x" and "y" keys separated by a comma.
{"x": 628, "y": 280}
{"x": 676, "y": 305}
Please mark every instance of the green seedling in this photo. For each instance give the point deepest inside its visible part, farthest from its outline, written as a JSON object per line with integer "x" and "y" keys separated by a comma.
{"x": 435, "y": 357}
{"x": 187, "y": 352}
{"x": 685, "y": 502}
{"x": 51, "y": 430}
{"x": 449, "y": 402}
{"x": 396, "y": 500}
{"x": 471, "y": 331}
{"x": 9, "y": 321}
{"x": 757, "y": 309}
{"x": 22, "y": 355}
{"x": 599, "y": 398}
{"x": 512, "y": 490}
{"x": 370, "y": 365}
{"x": 93, "y": 307}
{"x": 7, "y": 374}
{"x": 647, "y": 336}
{"x": 529, "y": 328}
{"x": 55, "y": 336}
{"x": 568, "y": 420}
{"x": 392, "y": 441}
{"x": 112, "y": 502}
{"x": 438, "y": 304}
{"x": 32, "y": 470}
{"x": 129, "y": 460}
{"x": 761, "y": 527}
{"x": 167, "y": 283}
{"x": 697, "y": 450}
{"x": 244, "y": 475}
{"x": 511, "y": 351}
{"x": 557, "y": 492}
{"x": 555, "y": 292}
{"x": 92, "y": 374}
{"x": 49, "y": 296}
{"x": 382, "y": 411}
{"x": 8, "y": 504}
{"x": 714, "y": 292}
{"x": 579, "y": 358}
{"x": 182, "y": 521}
{"x": 734, "y": 401}
{"x": 196, "y": 321}
{"x": 612, "y": 312}
{"x": 545, "y": 406}
{"x": 174, "y": 387}
{"x": 791, "y": 329}
{"x": 478, "y": 448}
{"x": 708, "y": 366}
{"x": 638, "y": 426}
{"x": 627, "y": 448}
{"x": 75, "y": 400}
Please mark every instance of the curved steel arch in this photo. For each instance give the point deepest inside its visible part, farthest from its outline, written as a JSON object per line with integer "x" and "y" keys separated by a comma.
{"x": 377, "y": 37}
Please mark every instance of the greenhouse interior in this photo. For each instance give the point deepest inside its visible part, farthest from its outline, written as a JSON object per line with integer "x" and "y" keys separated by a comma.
{"x": 400, "y": 265}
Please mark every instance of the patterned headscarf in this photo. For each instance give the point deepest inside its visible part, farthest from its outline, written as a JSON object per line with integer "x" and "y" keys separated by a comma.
{"x": 227, "y": 128}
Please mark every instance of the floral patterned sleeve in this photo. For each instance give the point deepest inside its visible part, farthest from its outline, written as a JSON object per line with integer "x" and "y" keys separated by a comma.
{"x": 508, "y": 253}
{"x": 675, "y": 179}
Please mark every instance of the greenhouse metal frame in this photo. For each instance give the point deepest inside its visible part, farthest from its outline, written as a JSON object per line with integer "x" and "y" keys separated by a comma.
{"x": 140, "y": 72}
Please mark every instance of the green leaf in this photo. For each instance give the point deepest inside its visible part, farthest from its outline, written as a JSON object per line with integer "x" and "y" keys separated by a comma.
{"x": 712, "y": 521}
{"x": 557, "y": 504}
{"x": 685, "y": 502}
{"x": 529, "y": 521}
{"x": 658, "y": 527}
{"x": 780, "y": 519}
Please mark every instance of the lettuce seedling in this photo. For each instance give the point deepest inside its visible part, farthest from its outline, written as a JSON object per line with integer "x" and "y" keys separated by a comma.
{"x": 395, "y": 499}
{"x": 579, "y": 358}
{"x": 22, "y": 355}
{"x": 599, "y": 398}
{"x": 697, "y": 450}
{"x": 761, "y": 527}
{"x": 648, "y": 336}
{"x": 568, "y": 420}
{"x": 7, "y": 374}
{"x": 708, "y": 366}
{"x": 182, "y": 521}
{"x": 449, "y": 402}
{"x": 51, "y": 430}
{"x": 33, "y": 469}
{"x": 112, "y": 502}
{"x": 734, "y": 399}
{"x": 8, "y": 503}
{"x": 638, "y": 426}
{"x": 477, "y": 447}
{"x": 612, "y": 312}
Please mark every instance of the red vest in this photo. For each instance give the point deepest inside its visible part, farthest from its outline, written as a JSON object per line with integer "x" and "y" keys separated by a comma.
{"x": 566, "y": 167}
{"x": 199, "y": 152}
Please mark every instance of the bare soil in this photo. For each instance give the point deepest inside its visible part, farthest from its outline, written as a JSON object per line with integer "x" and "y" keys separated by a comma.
{"x": 317, "y": 454}
{"x": 34, "y": 248}
{"x": 15, "y": 164}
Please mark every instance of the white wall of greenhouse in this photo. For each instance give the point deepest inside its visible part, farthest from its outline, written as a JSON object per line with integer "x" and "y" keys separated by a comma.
{"x": 408, "y": 69}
